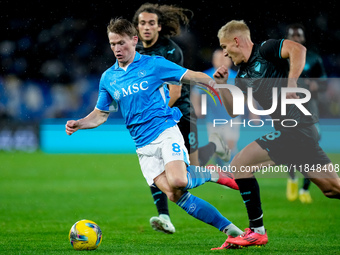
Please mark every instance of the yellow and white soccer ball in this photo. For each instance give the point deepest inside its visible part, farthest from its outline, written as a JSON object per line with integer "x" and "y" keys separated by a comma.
{"x": 85, "y": 235}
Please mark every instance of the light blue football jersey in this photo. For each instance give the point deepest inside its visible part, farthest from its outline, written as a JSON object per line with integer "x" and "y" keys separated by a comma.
{"x": 139, "y": 93}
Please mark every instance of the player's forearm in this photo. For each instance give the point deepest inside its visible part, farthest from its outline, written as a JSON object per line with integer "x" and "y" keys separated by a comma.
{"x": 204, "y": 79}
{"x": 297, "y": 62}
{"x": 297, "y": 59}
{"x": 194, "y": 78}
{"x": 93, "y": 120}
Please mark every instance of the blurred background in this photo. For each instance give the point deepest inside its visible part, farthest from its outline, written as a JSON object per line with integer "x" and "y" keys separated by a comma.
{"x": 53, "y": 53}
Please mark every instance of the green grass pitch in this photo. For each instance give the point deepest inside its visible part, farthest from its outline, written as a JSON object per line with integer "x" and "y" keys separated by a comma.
{"x": 41, "y": 196}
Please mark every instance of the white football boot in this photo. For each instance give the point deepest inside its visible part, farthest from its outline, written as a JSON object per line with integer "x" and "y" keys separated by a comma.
{"x": 162, "y": 223}
{"x": 222, "y": 150}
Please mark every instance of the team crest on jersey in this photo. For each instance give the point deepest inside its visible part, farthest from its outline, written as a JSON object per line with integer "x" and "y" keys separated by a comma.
{"x": 257, "y": 67}
{"x": 141, "y": 73}
{"x": 116, "y": 95}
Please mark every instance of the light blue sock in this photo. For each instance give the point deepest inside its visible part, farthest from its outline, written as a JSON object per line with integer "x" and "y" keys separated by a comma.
{"x": 203, "y": 211}
{"x": 197, "y": 176}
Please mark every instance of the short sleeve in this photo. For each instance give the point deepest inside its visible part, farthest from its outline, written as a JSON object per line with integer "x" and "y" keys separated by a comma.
{"x": 168, "y": 71}
{"x": 271, "y": 49}
{"x": 104, "y": 98}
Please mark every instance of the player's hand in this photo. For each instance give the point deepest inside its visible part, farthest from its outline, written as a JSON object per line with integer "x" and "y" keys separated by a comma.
{"x": 292, "y": 95}
{"x": 212, "y": 87}
{"x": 292, "y": 84}
{"x": 221, "y": 75}
{"x": 71, "y": 127}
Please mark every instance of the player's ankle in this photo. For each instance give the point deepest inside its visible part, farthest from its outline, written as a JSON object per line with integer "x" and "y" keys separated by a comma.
{"x": 232, "y": 230}
{"x": 165, "y": 217}
{"x": 293, "y": 179}
{"x": 260, "y": 230}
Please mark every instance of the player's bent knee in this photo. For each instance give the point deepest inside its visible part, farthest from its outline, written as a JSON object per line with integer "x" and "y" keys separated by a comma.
{"x": 174, "y": 196}
{"x": 171, "y": 196}
{"x": 332, "y": 192}
{"x": 178, "y": 183}
{"x": 331, "y": 188}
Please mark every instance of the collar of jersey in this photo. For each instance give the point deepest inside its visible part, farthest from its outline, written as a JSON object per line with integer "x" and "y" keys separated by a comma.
{"x": 137, "y": 58}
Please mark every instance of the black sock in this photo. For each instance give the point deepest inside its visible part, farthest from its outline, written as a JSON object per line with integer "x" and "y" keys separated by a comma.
{"x": 160, "y": 200}
{"x": 205, "y": 153}
{"x": 250, "y": 192}
{"x": 306, "y": 183}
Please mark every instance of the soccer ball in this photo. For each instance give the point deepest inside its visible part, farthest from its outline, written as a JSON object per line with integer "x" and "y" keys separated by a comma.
{"x": 85, "y": 235}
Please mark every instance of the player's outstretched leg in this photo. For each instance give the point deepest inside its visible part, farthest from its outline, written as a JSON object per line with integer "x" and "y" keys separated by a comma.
{"x": 173, "y": 183}
{"x": 196, "y": 176}
{"x": 162, "y": 222}
{"x": 207, "y": 213}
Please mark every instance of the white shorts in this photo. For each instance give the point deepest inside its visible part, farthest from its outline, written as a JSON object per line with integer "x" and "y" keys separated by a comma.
{"x": 168, "y": 146}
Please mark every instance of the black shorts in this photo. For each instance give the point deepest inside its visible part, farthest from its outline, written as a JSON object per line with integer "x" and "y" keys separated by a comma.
{"x": 189, "y": 131}
{"x": 294, "y": 146}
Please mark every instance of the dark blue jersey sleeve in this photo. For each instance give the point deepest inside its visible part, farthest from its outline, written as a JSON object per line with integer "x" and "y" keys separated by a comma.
{"x": 271, "y": 49}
